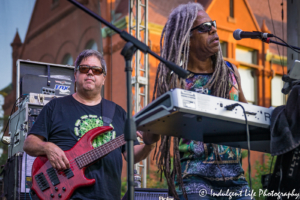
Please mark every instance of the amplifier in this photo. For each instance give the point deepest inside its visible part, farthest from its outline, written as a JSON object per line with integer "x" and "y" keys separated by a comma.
{"x": 44, "y": 78}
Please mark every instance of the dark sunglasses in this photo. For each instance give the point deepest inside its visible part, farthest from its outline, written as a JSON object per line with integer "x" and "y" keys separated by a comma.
{"x": 205, "y": 27}
{"x": 85, "y": 68}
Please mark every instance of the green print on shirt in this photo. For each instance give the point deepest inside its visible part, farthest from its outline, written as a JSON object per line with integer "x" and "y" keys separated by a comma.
{"x": 88, "y": 122}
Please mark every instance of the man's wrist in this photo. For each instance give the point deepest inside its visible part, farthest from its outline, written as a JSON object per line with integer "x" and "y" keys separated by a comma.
{"x": 44, "y": 147}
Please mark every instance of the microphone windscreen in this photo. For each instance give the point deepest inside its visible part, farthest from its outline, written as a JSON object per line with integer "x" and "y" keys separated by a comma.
{"x": 237, "y": 34}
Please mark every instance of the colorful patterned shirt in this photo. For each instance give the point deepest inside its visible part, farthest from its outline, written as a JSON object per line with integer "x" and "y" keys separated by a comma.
{"x": 199, "y": 165}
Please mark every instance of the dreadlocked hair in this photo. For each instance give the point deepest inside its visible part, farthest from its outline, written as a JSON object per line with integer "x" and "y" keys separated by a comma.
{"x": 174, "y": 45}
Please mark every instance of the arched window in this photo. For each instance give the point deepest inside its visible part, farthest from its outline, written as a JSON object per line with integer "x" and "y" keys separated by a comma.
{"x": 67, "y": 60}
{"x": 91, "y": 45}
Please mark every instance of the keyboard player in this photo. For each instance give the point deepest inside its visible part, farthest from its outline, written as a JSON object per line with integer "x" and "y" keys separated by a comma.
{"x": 203, "y": 171}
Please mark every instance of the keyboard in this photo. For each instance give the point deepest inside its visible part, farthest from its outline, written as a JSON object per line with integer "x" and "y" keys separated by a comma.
{"x": 195, "y": 116}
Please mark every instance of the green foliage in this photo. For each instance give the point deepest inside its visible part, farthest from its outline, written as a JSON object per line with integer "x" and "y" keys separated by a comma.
{"x": 4, "y": 155}
{"x": 123, "y": 187}
{"x": 5, "y": 91}
{"x": 261, "y": 169}
{"x": 244, "y": 154}
{"x": 154, "y": 182}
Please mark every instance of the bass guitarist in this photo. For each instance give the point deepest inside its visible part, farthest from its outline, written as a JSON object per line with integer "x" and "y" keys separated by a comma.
{"x": 63, "y": 121}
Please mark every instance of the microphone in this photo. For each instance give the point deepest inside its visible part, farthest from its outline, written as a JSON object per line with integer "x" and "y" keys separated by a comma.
{"x": 238, "y": 34}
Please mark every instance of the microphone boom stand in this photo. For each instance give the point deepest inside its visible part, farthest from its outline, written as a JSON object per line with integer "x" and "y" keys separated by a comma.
{"x": 290, "y": 82}
{"x": 128, "y": 51}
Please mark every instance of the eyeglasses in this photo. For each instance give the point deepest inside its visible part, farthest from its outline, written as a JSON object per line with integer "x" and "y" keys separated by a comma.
{"x": 205, "y": 27}
{"x": 85, "y": 69}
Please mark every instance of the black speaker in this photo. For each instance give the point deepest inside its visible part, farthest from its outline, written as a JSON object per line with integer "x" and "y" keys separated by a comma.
{"x": 12, "y": 177}
{"x": 16, "y": 182}
{"x": 149, "y": 194}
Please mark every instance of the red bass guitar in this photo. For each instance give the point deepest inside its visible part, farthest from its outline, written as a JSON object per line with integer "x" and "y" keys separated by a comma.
{"x": 49, "y": 183}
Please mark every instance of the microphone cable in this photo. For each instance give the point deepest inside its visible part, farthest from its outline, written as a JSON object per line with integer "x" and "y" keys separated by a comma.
{"x": 296, "y": 50}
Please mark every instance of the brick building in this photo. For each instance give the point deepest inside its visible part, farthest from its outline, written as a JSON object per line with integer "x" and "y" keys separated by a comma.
{"x": 58, "y": 32}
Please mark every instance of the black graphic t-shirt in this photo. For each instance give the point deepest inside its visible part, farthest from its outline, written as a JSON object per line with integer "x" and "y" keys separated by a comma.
{"x": 63, "y": 121}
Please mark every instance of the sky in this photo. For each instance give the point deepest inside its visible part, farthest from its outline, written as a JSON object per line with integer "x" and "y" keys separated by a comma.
{"x": 14, "y": 14}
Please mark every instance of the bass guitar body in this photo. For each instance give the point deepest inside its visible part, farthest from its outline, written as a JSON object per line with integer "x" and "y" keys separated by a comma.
{"x": 49, "y": 183}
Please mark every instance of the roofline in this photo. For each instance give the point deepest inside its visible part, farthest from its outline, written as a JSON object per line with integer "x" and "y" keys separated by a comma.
{"x": 252, "y": 15}
{"x": 248, "y": 7}
{"x": 210, "y": 6}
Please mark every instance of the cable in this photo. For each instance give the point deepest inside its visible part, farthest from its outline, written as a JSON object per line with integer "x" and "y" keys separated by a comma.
{"x": 296, "y": 50}
{"x": 275, "y": 34}
{"x": 30, "y": 194}
{"x": 231, "y": 107}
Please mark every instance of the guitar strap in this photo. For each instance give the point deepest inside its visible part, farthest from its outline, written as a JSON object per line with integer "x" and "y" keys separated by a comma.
{"x": 108, "y": 111}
